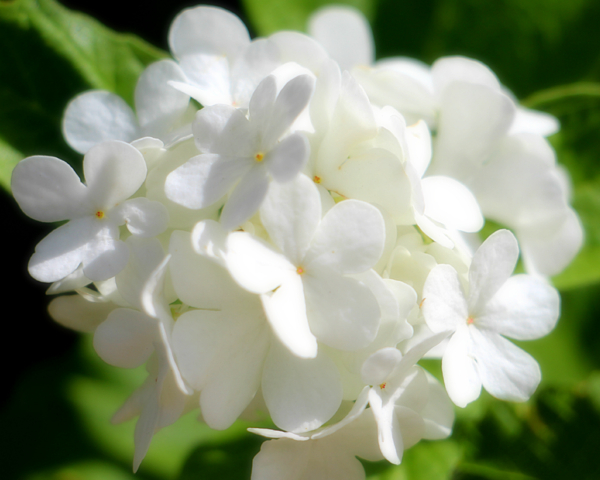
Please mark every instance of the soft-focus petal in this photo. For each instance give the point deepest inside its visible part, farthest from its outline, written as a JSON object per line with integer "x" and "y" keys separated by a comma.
{"x": 207, "y": 30}
{"x": 301, "y": 394}
{"x": 77, "y": 313}
{"x": 126, "y": 338}
{"x": 379, "y": 366}
{"x": 143, "y": 217}
{"x": 48, "y": 189}
{"x": 345, "y": 33}
{"x": 97, "y": 116}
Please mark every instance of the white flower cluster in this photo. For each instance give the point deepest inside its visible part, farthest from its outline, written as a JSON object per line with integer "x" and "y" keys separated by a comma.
{"x": 298, "y": 244}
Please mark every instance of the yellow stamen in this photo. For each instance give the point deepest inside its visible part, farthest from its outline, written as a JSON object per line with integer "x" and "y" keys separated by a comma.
{"x": 382, "y": 386}
{"x": 299, "y": 270}
{"x": 317, "y": 179}
{"x": 100, "y": 214}
{"x": 259, "y": 156}
{"x": 470, "y": 320}
{"x": 421, "y": 304}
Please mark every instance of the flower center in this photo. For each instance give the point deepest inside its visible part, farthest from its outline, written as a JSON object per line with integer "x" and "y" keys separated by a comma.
{"x": 100, "y": 214}
{"x": 382, "y": 386}
{"x": 470, "y": 320}
{"x": 299, "y": 270}
{"x": 317, "y": 179}
{"x": 259, "y": 156}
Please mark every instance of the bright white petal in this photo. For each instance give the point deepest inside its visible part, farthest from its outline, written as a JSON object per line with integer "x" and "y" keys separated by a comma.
{"x": 349, "y": 239}
{"x": 461, "y": 69}
{"x": 96, "y": 116}
{"x": 204, "y": 179}
{"x": 342, "y": 312}
{"x": 492, "y": 265}
{"x": 532, "y": 121}
{"x": 452, "y": 204}
{"x": 114, "y": 171}
{"x": 438, "y": 413}
{"x": 143, "y": 217}
{"x": 301, "y": 394}
{"x": 207, "y": 30}
{"x": 444, "y": 305}
{"x": 461, "y": 373}
{"x": 286, "y": 311}
{"x": 254, "y": 264}
{"x": 158, "y": 105}
{"x": 379, "y": 366}
{"x": 525, "y": 308}
{"x": 345, "y": 33}
{"x": 506, "y": 371}
{"x": 291, "y": 214}
{"x": 48, "y": 189}
{"x": 292, "y": 99}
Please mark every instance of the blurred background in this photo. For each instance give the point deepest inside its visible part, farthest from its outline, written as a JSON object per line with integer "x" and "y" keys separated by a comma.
{"x": 58, "y": 397}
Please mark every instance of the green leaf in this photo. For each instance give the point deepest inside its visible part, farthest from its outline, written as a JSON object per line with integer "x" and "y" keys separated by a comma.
{"x": 50, "y": 54}
{"x": 268, "y": 16}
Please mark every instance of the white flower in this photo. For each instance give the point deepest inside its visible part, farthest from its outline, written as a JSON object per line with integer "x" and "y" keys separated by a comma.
{"x": 242, "y": 154}
{"x": 306, "y": 291}
{"x": 522, "y": 307}
{"x": 407, "y": 404}
{"x": 48, "y": 189}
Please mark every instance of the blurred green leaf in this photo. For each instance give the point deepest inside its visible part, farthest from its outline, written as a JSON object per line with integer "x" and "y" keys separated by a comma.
{"x": 268, "y": 16}
{"x": 50, "y": 54}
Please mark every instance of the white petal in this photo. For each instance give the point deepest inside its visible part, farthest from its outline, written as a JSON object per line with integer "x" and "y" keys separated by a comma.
{"x": 290, "y": 102}
{"x": 506, "y": 371}
{"x": 388, "y": 430}
{"x": 225, "y": 130}
{"x": 288, "y": 157}
{"x": 158, "y": 105}
{"x": 492, "y": 265}
{"x": 452, "y": 204}
{"x": 349, "y": 239}
{"x": 532, "y": 121}
{"x": 48, "y": 189}
{"x": 525, "y": 308}
{"x": 461, "y": 69}
{"x": 246, "y": 198}
{"x": 254, "y": 264}
{"x": 301, "y": 394}
{"x": 461, "y": 373}
{"x": 77, "y": 313}
{"x": 126, "y": 338}
{"x": 204, "y": 179}
{"x": 199, "y": 281}
{"x": 301, "y": 49}
{"x": 221, "y": 354}
{"x": 418, "y": 140}
{"x": 444, "y": 305}
{"x": 379, "y": 366}
{"x": 438, "y": 413}
{"x": 96, "y": 116}
{"x": 345, "y": 33}
{"x": 257, "y": 61}
{"x": 342, "y": 312}
{"x": 286, "y": 311}
{"x": 411, "y": 425}
{"x": 143, "y": 217}
{"x": 207, "y": 30}
{"x": 114, "y": 171}
{"x": 261, "y": 104}
{"x": 291, "y": 214}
